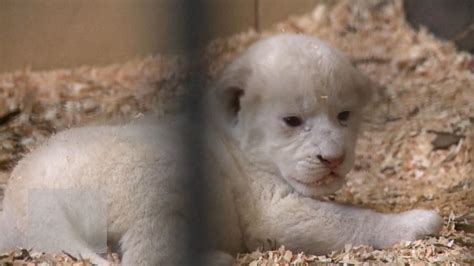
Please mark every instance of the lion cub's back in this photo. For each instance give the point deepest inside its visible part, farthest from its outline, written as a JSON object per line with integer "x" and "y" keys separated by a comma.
{"x": 123, "y": 162}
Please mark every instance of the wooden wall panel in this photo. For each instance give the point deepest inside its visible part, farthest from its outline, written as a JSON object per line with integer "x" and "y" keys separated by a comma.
{"x": 49, "y": 34}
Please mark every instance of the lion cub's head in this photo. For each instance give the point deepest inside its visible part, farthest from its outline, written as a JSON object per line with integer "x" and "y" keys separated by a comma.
{"x": 293, "y": 105}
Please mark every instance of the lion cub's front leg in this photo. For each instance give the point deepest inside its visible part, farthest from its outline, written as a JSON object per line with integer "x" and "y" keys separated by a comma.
{"x": 320, "y": 227}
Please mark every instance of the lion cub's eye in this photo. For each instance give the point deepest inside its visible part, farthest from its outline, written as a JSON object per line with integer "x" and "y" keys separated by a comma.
{"x": 293, "y": 121}
{"x": 343, "y": 116}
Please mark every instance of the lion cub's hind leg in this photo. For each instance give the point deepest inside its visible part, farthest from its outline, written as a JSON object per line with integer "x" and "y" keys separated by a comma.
{"x": 71, "y": 220}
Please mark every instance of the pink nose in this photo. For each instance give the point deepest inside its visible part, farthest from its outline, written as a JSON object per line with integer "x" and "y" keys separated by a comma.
{"x": 331, "y": 162}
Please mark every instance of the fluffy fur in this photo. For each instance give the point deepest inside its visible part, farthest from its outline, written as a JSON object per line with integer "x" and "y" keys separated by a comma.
{"x": 277, "y": 142}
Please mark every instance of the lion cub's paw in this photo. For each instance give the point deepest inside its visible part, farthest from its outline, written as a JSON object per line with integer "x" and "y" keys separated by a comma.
{"x": 418, "y": 223}
{"x": 408, "y": 226}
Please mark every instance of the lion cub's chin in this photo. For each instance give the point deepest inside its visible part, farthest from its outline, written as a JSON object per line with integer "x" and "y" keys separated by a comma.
{"x": 317, "y": 188}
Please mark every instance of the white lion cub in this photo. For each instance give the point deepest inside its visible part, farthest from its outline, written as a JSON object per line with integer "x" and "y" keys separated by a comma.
{"x": 282, "y": 128}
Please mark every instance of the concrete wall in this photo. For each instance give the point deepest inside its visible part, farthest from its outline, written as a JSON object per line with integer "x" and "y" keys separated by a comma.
{"x": 450, "y": 20}
{"x": 48, "y": 34}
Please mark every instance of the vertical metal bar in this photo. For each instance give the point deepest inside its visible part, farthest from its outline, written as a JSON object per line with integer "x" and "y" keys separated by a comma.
{"x": 195, "y": 15}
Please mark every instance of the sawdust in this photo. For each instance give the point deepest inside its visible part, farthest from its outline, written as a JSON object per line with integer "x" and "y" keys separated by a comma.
{"x": 416, "y": 150}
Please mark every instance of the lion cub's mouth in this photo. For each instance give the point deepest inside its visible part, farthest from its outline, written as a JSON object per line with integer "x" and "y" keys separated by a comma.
{"x": 326, "y": 180}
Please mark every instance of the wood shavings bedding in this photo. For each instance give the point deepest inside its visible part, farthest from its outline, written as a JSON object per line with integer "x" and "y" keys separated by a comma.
{"x": 426, "y": 90}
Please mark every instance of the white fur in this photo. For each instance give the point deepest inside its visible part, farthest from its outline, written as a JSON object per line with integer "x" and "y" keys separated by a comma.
{"x": 262, "y": 174}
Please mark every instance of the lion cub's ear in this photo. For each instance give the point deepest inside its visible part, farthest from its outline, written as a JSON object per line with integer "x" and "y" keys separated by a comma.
{"x": 228, "y": 92}
{"x": 230, "y": 98}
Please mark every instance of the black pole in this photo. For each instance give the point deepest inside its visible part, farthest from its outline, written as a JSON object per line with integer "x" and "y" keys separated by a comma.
{"x": 195, "y": 14}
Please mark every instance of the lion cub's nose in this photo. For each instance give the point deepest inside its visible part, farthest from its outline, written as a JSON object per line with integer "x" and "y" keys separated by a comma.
{"x": 331, "y": 162}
